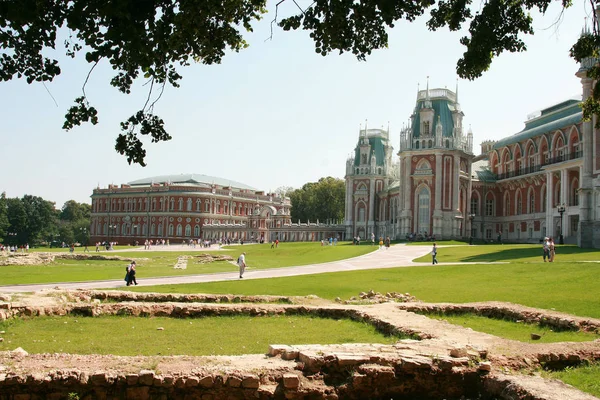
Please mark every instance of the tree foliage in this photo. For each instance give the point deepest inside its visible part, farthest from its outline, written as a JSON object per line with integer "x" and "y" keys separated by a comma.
{"x": 322, "y": 200}
{"x": 33, "y": 220}
{"x": 152, "y": 39}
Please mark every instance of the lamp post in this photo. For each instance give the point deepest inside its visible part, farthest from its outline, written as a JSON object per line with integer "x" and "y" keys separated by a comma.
{"x": 110, "y": 228}
{"x": 561, "y": 210}
{"x": 471, "y": 218}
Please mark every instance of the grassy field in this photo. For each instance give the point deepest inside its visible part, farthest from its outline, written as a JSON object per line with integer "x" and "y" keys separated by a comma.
{"x": 515, "y": 331}
{"x": 200, "y": 336}
{"x": 570, "y": 288}
{"x": 584, "y": 378}
{"x": 160, "y": 263}
{"x": 510, "y": 253}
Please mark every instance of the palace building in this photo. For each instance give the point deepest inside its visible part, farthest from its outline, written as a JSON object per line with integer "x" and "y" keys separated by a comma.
{"x": 193, "y": 206}
{"x": 541, "y": 181}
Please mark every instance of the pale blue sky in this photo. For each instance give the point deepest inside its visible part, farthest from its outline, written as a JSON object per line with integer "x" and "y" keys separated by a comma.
{"x": 276, "y": 114}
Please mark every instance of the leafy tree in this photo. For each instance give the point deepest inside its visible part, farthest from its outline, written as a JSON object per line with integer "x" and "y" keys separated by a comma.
{"x": 41, "y": 218}
{"x": 322, "y": 200}
{"x": 73, "y": 211}
{"x": 4, "y": 224}
{"x": 152, "y": 38}
{"x": 17, "y": 219}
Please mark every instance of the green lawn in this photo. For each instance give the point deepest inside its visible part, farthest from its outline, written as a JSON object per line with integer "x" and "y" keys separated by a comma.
{"x": 232, "y": 335}
{"x": 160, "y": 263}
{"x": 514, "y": 330}
{"x": 510, "y": 253}
{"x": 570, "y": 288}
{"x": 584, "y": 378}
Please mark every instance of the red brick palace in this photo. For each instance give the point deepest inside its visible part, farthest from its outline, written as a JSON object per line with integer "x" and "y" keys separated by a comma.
{"x": 193, "y": 206}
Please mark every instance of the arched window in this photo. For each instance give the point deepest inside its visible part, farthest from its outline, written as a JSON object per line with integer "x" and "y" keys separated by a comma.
{"x": 416, "y": 145}
{"x": 218, "y": 210}
{"x": 179, "y": 229}
{"x": 507, "y": 210}
{"x": 172, "y": 204}
{"x": 197, "y": 230}
{"x": 170, "y": 229}
{"x": 198, "y": 203}
{"x": 475, "y": 205}
{"x": 490, "y": 207}
{"x": 519, "y": 203}
{"x": 188, "y": 230}
{"x": 424, "y": 210}
{"x": 180, "y": 204}
{"x": 105, "y": 228}
{"x": 361, "y": 213}
{"x": 531, "y": 201}
{"x": 189, "y": 204}
{"x": 543, "y": 199}
{"x": 426, "y": 128}
{"x": 574, "y": 197}
{"x": 206, "y": 205}
{"x": 123, "y": 229}
{"x": 159, "y": 232}
{"x": 153, "y": 229}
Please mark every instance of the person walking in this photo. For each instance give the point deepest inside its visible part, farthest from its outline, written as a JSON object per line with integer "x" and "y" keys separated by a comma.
{"x": 131, "y": 274}
{"x": 551, "y": 250}
{"x": 434, "y": 254}
{"x": 546, "y": 249}
{"x": 241, "y": 261}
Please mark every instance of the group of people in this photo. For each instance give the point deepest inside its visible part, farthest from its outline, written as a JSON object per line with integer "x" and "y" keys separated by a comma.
{"x": 549, "y": 250}
{"x": 331, "y": 241}
{"x": 14, "y": 249}
{"x": 385, "y": 242}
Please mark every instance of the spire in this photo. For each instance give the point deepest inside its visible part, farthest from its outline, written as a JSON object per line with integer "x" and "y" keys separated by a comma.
{"x": 456, "y": 91}
{"x": 427, "y": 103}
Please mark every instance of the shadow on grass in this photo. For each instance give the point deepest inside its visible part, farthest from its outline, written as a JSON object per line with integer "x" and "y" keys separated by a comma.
{"x": 533, "y": 254}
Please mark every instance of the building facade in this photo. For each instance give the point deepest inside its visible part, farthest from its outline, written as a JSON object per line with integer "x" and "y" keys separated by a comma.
{"x": 542, "y": 181}
{"x": 192, "y": 206}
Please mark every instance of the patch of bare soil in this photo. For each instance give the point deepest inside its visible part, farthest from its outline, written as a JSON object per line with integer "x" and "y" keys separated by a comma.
{"x": 47, "y": 258}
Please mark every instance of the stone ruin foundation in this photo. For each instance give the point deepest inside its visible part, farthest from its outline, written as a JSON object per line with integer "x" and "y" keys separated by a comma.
{"x": 442, "y": 361}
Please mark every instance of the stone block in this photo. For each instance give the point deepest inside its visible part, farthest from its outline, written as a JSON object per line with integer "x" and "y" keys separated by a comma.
{"x": 132, "y": 379}
{"x": 250, "y": 382}
{"x": 98, "y": 379}
{"x": 485, "y": 366}
{"x": 276, "y": 349}
{"x": 360, "y": 381}
{"x": 206, "y": 381}
{"x": 346, "y": 360}
{"x": 291, "y": 381}
{"x": 192, "y": 381}
{"x": 459, "y": 352}
{"x": 180, "y": 382}
{"x": 234, "y": 381}
{"x": 146, "y": 377}
{"x": 157, "y": 380}
{"x": 290, "y": 355}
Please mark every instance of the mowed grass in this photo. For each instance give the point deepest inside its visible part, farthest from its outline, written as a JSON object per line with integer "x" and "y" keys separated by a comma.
{"x": 510, "y": 253}
{"x": 585, "y": 378}
{"x": 567, "y": 287}
{"x": 514, "y": 330}
{"x": 131, "y": 336}
{"x": 160, "y": 263}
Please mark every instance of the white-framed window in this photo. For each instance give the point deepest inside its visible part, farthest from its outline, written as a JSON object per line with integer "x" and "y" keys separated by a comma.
{"x": 170, "y": 229}
{"x": 424, "y": 210}
{"x": 188, "y": 230}
{"x": 172, "y": 204}
{"x": 489, "y": 207}
{"x": 196, "y": 230}
{"x": 189, "y": 204}
{"x": 475, "y": 205}
{"x": 180, "y": 204}
{"x": 179, "y": 229}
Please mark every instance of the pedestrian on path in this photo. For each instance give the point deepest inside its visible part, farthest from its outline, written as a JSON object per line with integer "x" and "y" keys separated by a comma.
{"x": 434, "y": 254}
{"x": 131, "y": 274}
{"x": 241, "y": 261}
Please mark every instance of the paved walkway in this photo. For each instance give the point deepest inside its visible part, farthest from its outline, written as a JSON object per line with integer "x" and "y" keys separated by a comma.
{"x": 396, "y": 256}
